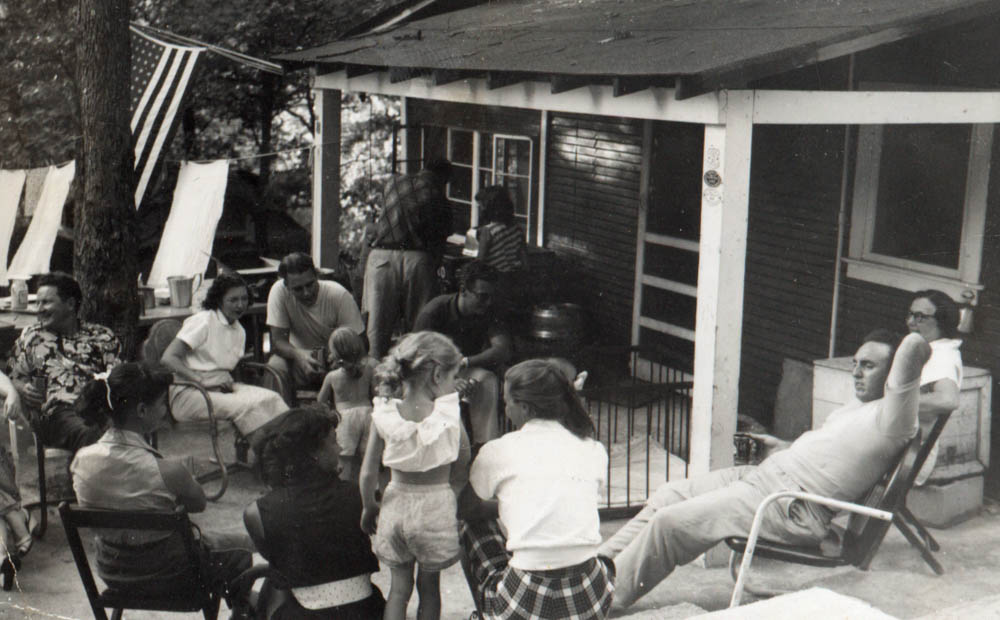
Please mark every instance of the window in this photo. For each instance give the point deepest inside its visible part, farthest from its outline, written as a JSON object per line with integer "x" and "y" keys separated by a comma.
{"x": 481, "y": 159}
{"x": 920, "y": 206}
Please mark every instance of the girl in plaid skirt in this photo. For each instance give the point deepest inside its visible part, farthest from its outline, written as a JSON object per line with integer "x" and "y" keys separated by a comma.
{"x": 547, "y": 478}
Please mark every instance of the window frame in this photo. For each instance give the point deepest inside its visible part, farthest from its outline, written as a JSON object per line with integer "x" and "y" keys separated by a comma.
{"x": 865, "y": 264}
{"x": 478, "y": 167}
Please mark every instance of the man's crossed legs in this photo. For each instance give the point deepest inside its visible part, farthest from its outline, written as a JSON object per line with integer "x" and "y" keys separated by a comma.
{"x": 683, "y": 519}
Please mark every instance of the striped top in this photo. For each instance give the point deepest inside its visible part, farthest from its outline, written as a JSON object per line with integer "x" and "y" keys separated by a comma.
{"x": 502, "y": 247}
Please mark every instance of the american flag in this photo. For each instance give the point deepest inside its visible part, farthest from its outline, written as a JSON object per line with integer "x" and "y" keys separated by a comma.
{"x": 161, "y": 72}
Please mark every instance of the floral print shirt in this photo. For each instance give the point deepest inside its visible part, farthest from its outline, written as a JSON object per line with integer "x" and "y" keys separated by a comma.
{"x": 67, "y": 362}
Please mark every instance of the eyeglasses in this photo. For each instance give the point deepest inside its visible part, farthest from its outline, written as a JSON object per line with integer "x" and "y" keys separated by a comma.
{"x": 919, "y": 317}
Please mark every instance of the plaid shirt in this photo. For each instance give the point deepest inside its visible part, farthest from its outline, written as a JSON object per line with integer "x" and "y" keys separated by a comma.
{"x": 416, "y": 215}
{"x": 68, "y": 362}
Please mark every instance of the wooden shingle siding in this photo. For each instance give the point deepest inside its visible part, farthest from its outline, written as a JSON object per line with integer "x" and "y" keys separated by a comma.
{"x": 592, "y": 202}
{"x": 791, "y": 245}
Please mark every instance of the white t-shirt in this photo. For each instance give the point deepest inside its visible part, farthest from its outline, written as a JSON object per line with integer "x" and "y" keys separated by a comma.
{"x": 548, "y": 482}
{"x": 945, "y": 363}
{"x": 215, "y": 343}
{"x": 310, "y": 327}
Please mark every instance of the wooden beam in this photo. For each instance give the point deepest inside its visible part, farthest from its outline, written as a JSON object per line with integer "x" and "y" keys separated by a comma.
{"x": 326, "y": 180}
{"x": 403, "y": 74}
{"x": 563, "y": 83}
{"x": 721, "y": 268}
{"x": 495, "y": 79}
{"x": 447, "y": 76}
{"x": 356, "y": 70}
{"x": 626, "y": 85}
{"x": 874, "y": 107}
{"x": 653, "y": 103}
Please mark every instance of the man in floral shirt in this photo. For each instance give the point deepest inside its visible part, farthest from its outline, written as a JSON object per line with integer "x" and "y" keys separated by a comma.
{"x": 52, "y": 361}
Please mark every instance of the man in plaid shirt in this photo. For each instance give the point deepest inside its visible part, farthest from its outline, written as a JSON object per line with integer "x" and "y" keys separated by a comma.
{"x": 411, "y": 235}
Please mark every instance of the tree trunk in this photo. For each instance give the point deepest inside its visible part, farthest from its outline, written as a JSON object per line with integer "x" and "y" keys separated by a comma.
{"x": 267, "y": 96}
{"x": 104, "y": 233}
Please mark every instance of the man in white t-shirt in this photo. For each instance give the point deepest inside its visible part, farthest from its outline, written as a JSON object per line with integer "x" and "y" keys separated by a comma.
{"x": 302, "y": 312}
{"x": 842, "y": 459}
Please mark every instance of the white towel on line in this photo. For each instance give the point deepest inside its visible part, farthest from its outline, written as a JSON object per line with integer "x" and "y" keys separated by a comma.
{"x": 35, "y": 252}
{"x": 11, "y": 184}
{"x": 190, "y": 229}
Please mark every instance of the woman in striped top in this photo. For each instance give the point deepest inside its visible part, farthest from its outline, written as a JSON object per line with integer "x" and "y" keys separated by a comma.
{"x": 501, "y": 244}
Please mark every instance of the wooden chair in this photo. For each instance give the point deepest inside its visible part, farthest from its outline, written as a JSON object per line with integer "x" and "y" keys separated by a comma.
{"x": 884, "y": 504}
{"x": 161, "y": 334}
{"x": 193, "y": 592}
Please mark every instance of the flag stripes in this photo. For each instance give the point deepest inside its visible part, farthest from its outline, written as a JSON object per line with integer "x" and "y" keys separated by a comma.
{"x": 160, "y": 75}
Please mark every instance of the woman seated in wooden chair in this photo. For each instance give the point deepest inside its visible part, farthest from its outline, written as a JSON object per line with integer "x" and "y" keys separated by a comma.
{"x": 123, "y": 472}
{"x": 206, "y": 350}
{"x": 308, "y": 526}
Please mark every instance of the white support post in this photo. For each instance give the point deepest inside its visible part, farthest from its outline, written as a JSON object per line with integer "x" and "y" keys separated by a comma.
{"x": 326, "y": 179}
{"x": 721, "y": 266}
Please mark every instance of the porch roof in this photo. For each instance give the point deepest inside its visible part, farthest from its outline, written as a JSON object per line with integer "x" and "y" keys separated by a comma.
{"x": 695, "y": 46}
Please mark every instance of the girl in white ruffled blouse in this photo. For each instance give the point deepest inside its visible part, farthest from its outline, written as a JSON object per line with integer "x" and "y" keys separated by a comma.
{"x": 418, "y": 438}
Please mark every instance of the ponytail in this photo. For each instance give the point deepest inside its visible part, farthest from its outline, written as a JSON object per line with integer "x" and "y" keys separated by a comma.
{"x": 413, "y": 357}
{"x": 114, "y": 395}
{"x": 547, "y": 394}
{"x": 349, "y": 349}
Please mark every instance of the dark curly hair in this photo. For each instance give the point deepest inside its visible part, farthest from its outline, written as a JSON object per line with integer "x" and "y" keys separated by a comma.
{"x": 497, "y": 205}
{"x": 945, "y": 310}
{"x": 287, "y": 451}
{"x": 65, "y": 286}
{"x": 222, "y": 283}
{"x": 117, "y": 397}
{"x": 478, "y": 270}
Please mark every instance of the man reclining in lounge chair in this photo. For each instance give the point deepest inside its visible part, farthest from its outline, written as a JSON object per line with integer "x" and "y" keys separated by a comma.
{"x": 846, "y": 456}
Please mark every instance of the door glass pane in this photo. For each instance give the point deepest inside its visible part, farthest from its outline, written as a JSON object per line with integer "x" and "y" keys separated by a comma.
{"x": 512, "y": 156}
{"x": 460, "y": 187}
{"x": 486, "y": 150}
{"x": 518, "y": 188}
{"x": 460, "y": 147}
{"x": 921, "y": 193}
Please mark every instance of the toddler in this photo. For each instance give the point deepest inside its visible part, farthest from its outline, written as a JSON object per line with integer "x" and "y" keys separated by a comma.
{"x": 348, "y": 390}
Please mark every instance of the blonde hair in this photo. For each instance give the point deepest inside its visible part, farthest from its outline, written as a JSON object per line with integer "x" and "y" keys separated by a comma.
{"x": 414, "y": 357}
{"x": 546, "y": 393}
{"x": 349, "y": 349}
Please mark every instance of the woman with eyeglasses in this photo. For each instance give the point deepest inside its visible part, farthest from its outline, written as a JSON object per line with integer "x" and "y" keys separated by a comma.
{"x": 934, "y": 315}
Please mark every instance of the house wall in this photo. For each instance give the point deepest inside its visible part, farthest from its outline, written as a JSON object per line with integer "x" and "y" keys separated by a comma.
{"x": 591, "y": 213}
{"x": 791, "y": 249}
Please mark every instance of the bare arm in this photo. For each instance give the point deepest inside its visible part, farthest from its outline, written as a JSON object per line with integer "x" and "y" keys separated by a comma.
{"x": 494, "y": 355}
{"x": 368, "y": 481}
{"x": 173, "y": 358}
{"x": 12, "y": 399}
{"x": 771, "y": 443}
{"x": 326, "y": 395}
{"x": 181, "y": 483}
{"x": 942, "y": 397}
{"x": 281, "y": 345}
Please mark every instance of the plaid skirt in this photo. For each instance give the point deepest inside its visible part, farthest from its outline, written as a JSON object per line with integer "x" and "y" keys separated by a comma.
{"x": 582, "y": 591}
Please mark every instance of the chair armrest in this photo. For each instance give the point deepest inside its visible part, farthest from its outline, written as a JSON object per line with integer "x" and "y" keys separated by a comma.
{"x": 279, "y": 381}
{"x": 758, "y": 518}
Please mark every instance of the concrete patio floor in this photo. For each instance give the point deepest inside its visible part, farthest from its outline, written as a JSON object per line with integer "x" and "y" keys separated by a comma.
{"x": 898, "y": 584}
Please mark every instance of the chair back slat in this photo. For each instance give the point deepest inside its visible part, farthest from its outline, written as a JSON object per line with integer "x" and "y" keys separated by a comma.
{"x": 161, "y": 334}
{"x": 74, "y": 519}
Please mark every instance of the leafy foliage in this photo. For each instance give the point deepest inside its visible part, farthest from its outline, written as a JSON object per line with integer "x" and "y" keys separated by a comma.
{"x": 232, "y": 111}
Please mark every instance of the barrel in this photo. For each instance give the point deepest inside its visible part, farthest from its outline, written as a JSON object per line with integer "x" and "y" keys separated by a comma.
{"x": 558, "y": 323}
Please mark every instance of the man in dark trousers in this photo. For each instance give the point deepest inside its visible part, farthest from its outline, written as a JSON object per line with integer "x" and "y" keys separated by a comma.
{"x": 409, "y": 241}
{"x": 469, "y": 318}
